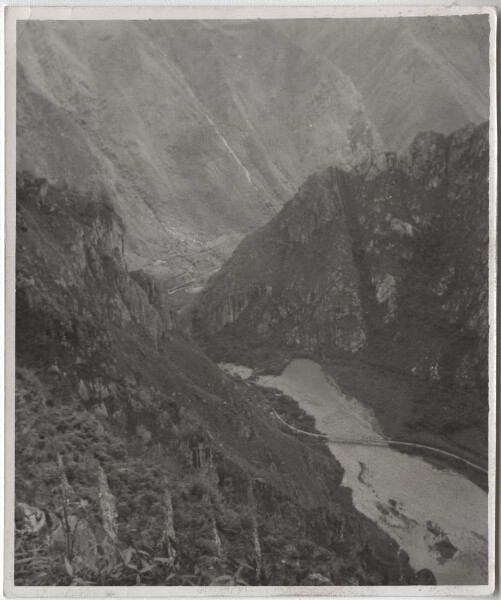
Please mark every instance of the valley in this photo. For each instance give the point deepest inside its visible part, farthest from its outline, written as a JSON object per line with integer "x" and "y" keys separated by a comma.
{"x": 143, "y": 447}
{"x": 241, "y": 249}
{"x": 376, "y": 311}
{"x": 224, "y": 121}
{"x": 419, "y": 505}
{"x": 402, "y": 279}
{"x": 206, "y": 144}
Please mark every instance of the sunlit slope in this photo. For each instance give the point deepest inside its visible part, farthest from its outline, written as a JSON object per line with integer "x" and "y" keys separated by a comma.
{"x": 196, "y": 130}
{"x": 414, "y": 74}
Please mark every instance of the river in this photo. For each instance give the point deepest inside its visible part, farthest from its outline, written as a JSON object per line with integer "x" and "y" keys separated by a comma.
{"x": 436, "y": 515}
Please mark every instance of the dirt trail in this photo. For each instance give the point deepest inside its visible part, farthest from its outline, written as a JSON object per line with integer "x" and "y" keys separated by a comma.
{"x": 379, "y": 442}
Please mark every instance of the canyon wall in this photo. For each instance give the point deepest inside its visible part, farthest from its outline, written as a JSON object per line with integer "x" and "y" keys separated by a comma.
{"x": 200, "y": 131}
{"x": 389, "y": 264}
{"x": 197, "y": 131}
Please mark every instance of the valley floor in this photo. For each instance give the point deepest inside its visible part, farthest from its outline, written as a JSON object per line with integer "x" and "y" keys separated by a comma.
{"x": 406, "y": 408}
{"x": 436, "y": 515}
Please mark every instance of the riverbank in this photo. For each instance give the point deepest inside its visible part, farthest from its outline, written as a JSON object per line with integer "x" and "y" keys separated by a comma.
{"x": 407, "y": 409}
{"x": 411, "y": 411}
{"x": 438, "y": 516}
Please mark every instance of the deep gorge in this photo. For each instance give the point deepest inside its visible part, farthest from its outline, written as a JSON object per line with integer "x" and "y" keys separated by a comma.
{"x": 235, "y": 239}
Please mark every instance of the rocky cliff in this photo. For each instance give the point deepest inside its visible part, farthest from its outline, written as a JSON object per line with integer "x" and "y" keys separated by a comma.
{"x": 295, "y": 280}
{"x": 389, "y": 266}
{"x": 137, "y": 459}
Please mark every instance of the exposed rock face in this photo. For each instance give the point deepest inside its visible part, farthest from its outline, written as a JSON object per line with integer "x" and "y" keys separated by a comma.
{"x": 57, "y": 535}
{"x": 107, "y": 504}
{"x": 295, "y": 280}
{"x": 93, "y": 254}
{"x": 112, "y": 402}
{"x": 32, "y": 520}
{"x": 391, "y": 263}
{"x": 169, "y": 532}
{"x": 386, "y": 294}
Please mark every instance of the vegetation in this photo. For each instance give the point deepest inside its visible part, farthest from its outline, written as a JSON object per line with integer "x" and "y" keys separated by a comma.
{"x": 138, "y": 459}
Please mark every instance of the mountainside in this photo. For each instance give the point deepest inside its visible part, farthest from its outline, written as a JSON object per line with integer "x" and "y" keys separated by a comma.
{"x": 414, "y": 74}
{"x": 197, "y": 131}
{"x": 388, "y": 267}
{"x": 198, "y": 204}
{"x": 137, "y": 459}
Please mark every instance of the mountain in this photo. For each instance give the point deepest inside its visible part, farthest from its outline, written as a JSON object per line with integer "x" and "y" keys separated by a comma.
{"x": 197, "y": 131}
{"x": 146, "y": 152}
{"x": 389, "y": 267}
{"x": 415, "y": 74}
{"x": 137, "y": 459}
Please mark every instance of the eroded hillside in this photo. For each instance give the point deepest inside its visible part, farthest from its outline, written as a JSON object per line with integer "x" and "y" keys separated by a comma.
{"x": 415, "y": 74}
{"x": 197, "y": 131}
{"x": 137, "y": 459}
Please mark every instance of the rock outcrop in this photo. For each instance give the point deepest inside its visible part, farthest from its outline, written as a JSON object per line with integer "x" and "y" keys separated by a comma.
{"x": 295, "y": 280}
{"x": 389, "y": 264}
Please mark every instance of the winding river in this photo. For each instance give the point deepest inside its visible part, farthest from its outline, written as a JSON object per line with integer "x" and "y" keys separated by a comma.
{"x": 437, "y": 516}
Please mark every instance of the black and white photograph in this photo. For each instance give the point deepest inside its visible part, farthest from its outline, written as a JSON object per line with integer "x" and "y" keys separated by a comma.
{"x": 252, "y": 302}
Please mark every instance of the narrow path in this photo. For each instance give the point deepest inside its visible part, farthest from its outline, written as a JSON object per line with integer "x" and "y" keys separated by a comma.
{"x": 378, "y": 442}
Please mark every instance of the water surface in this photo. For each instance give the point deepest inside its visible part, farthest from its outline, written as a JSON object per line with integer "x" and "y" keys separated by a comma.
{"x": 438, "y": 516}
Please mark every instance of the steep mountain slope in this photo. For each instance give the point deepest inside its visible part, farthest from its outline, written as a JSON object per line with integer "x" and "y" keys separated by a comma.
{"x": 137, "y": 459}
{"x": 414, "y": 74}
{"x": 389, "y": 266}
{"x": 295, "y": 279}
{"x": 197, "y": 131}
